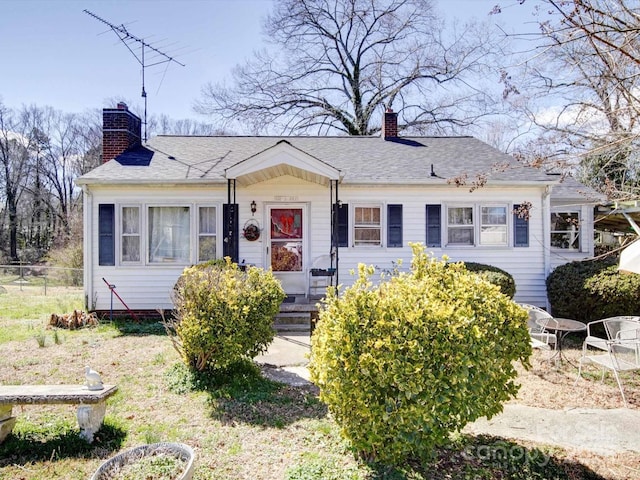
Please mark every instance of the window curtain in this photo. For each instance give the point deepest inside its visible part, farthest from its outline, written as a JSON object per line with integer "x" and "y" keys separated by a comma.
{"x": 169, "y": 234}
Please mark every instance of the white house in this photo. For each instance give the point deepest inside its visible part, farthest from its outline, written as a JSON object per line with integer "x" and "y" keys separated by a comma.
{"x": 308, "y": 206}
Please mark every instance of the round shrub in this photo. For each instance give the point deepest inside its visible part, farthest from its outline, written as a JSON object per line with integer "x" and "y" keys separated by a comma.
{"x": 404, "y": 363}
{"x": 593, "y": 289}
{"x": 495, "y": 275}
{"x": 223, "y": 314}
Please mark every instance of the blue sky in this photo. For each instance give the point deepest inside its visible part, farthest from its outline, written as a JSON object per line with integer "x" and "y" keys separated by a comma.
{"x": 52, "y": 53}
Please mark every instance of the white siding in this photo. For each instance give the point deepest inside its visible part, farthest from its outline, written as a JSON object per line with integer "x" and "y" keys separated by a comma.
{"x": 148, "y": 287}
{"x": 141, "y": 286}
{"x": 526, "y": 264}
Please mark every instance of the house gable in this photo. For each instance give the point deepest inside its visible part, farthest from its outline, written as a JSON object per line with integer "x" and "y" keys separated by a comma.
{"x": 280, "y": 160}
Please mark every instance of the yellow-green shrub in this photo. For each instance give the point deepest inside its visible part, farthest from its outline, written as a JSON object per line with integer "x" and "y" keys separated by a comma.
{"x": 223, "y": 314}
{"x": 403, "y": 364}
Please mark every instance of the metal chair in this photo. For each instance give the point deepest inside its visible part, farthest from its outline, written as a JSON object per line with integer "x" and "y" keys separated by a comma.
{"x": 539, "y": 321}
{"x": 611, "y": 327}
{"x": 622, "y": 354}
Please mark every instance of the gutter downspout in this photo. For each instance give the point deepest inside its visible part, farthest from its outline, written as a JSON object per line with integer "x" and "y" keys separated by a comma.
{"x": 87, "y": 255}
{"x": 546, "y": 236}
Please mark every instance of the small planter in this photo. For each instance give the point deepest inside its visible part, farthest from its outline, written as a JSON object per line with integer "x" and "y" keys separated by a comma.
{"x": 157, "y": 461}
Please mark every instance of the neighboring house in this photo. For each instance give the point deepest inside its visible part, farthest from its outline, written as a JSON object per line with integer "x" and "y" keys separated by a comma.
{"x": 295, "y": 204}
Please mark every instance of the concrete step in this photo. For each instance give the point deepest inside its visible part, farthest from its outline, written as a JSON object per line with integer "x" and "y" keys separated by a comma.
{"x": 293, "y": 318}
{"x": 292, "y": 322}
{"x": 292, "y": 327}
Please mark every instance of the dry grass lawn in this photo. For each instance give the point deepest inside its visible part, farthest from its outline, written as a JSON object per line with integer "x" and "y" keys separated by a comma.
{"x": 251, "y": 440}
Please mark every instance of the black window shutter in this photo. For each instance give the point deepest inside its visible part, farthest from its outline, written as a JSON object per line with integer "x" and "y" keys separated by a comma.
{"x": 341, "y": 220}
{"x": 230, "y": 243}
{"x": 394, "y": 225}
{"x": 434, "y": 225}
{"x": 520, "y": 229}
{"x": 106, "y": 234}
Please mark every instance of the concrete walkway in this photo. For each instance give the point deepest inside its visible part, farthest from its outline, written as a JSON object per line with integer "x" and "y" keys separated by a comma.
{"x": 605, "y": 432}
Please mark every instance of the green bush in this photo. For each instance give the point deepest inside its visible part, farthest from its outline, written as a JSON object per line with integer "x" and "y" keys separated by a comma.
{"x": 223, "y": 314}
{"x": 495, "y": 275}
{"x": 403, "y": 364}
{"x": 593, "y": 289}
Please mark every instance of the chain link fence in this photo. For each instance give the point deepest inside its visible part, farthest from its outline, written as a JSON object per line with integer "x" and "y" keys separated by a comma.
{"x": 40, "y": 279}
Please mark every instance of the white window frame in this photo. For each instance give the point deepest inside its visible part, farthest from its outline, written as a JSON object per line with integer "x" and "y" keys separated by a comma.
{"x": 570, "y": 235}
{"x": 122, "y": 234}
{"x": 199, "y": 235}
{"x": 504, "y": 225}
{"x": 461, "y": 226}
{"x": 355, "y": 226}
{"x": 168, "y": 260}
{"x": 476, "y": 226}
{"x": 143, "y": 234}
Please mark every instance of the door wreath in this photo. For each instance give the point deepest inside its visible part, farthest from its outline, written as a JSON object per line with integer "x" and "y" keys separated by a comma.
{"x": 251, "y": 230}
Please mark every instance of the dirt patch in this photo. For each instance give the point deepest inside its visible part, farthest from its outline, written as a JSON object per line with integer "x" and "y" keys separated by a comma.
{"x": 548, "y": 384}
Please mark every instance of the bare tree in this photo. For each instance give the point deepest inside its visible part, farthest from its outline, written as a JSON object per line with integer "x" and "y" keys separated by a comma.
{"x": 89, "y": 137}
{"x": 55, "y": 143}
{"x": 164, "y": 125}
{"x": 581, "y": 90}
{"x": 336, "y": 65}
{"x": 14, "y": 174}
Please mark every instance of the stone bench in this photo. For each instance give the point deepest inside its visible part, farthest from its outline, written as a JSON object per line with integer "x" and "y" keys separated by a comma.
{"x": 91, "y": 404}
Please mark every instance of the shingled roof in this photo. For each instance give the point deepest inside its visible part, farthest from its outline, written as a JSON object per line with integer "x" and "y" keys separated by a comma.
{"x": 360, "y": 160}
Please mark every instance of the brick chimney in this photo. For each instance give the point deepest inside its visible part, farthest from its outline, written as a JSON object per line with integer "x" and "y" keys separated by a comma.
{"x": 390, "y": 124}
{"x": 121, "y": 131}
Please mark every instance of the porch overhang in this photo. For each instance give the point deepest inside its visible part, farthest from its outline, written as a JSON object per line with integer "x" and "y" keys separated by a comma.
{"x": 279, "y": 160}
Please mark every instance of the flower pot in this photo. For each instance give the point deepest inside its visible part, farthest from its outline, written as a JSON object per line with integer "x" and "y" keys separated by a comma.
{"x": 112, "y": 468}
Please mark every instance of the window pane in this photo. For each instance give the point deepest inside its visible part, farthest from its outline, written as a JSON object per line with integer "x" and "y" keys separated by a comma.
{"x": 368, "y": 215}
{"x": 367, "y": 236}
{"x": 494, "y": 215}
{"x": 130, "y": 234}
{"x": 169, "y": 234}
{"x": 131, "y": 220}
{"x": 207, "y": 248}
{"x": 565, "y": 231}
{"x": 461, "y": 236}
{"x": 564, "y": 221}
{"x": 569, "y": 240}
{"x": 493, "y": 235}
{"x": 286, "y": 256}
{"x": 367, "y": 226}
{"x": 131, "y": 248}
{"x": 207, "y": 238}
{"x": 493, "y": 230}
{"x": 207, "y": 220}
{"x": 286, "y": 223}
{"x": 460, "y": 216}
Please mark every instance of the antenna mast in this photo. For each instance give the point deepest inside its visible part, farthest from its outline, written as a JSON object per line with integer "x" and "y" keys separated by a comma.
{"x": 127, "y": 38}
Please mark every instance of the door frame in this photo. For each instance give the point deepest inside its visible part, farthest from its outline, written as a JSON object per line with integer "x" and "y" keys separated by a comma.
{"x": 293, "y": 283}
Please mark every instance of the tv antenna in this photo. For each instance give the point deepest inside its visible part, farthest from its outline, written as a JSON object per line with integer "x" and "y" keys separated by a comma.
{"x": 130, "y": 40}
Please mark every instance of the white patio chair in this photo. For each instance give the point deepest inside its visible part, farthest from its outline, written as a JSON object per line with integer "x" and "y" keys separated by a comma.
{"x": 539, "y": 321}
{"x": 611, "y": 327}
{"x": 623, "y": 354}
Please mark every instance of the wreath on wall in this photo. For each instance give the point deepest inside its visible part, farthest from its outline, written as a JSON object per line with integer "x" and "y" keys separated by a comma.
{"x": 251, "y": 230}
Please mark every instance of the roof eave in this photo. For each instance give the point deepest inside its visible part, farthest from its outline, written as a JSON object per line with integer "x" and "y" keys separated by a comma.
{"x": 150, "y": 182}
